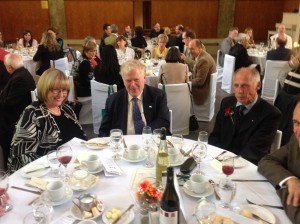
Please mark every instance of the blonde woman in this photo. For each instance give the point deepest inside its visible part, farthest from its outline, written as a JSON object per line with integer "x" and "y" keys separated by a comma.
{"x": 160, "y": 52}
{"x": 48, "y": 50}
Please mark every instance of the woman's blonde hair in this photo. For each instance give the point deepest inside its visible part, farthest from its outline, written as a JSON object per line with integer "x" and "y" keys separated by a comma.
{"x": 52, "y": 78}
{"x": 163, "y": 37}
{"x": 88, "y": 46}
{"x": 50, "y": 42}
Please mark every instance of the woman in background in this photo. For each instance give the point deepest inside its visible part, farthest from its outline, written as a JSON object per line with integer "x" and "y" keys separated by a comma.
{"x": 45, "y": 124}
{"x": 138, "y": 43}
{"x": 54, "y": 32}
{"x": 27, "y": 40}
{"x": 124, "y": 52}
{"x": 249, "y": 31}
{"x": 161, "y": 50}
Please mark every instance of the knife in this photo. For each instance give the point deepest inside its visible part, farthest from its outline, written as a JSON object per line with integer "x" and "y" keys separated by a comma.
{"x": 23, "y": 189}
{"x": 259, "y": 218}
{"x": 243, "y": 180}
{"x": 42, "y": 168}
{"x": 117, "y": 220}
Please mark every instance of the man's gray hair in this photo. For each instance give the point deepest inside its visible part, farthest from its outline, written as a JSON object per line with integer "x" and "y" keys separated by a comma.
{"x": 254, "y": 73}
{"x": 242, "y": 37}
{"x": 130, "y": 65}
{"x": 114, "y": 28}
{"x": 13, "y": 60}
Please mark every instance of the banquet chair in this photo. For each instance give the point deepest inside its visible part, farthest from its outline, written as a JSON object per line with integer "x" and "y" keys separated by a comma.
{"x": 171, "y": 119}
{"x": 274, "y": 70}
{"x": 205, "y": 112}
{"x": 179, "y": 101}
{"x": 228, "y": 70}
{"x": 100, "y": 92}
{"x": 60, "y": 64}
{"x": 277, "y": 141}
{"x": 277, "y": 90}
{"x": 71, "y": 96}
{"x": 219, "y": 68}
{"x": 33, "y": 95}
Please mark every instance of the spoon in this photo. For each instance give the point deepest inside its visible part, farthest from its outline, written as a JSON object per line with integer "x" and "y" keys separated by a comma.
{"x": 213, "y": 184}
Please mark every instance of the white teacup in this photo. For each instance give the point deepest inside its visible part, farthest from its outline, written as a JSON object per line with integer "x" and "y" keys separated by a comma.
{"x": 134, "y": 151}
{"x": 92, "y": 162}
{"x": 198, "y": 182}
{"x": 174, "y": 155}
{"x": 56, "y": 190}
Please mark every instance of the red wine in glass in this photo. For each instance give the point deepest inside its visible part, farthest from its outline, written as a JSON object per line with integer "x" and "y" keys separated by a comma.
{"x": 227, "y": 170}
{"x": 2, "y": 191}
{"x": 228, "y": 165}
{"x": 64, "y": 160}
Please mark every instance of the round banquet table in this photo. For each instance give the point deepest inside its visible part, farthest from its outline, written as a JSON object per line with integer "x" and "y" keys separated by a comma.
{"x": 116, "y": 191}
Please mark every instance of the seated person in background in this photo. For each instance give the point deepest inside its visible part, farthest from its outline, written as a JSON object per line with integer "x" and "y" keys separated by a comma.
{"x": 239, "y": 51}
{"x": 172, "y": 40}
{"x": 48, "y": 50}
{"x": 281, "y": 33}
{"x": 2, "y": 42}
{"x": 45, "y": 124}
{"x": 109, "y": 72}
{"x": 27, "y": 40}
{"x": 249, "y": 31}
{"x": 96, "y": 61}
{"x": 111, "y": 39}
{"x": 280, "y": 53}
{"x": 156, "y": 31}
{"x": 292, "y": 81}
{"x": 14, "y": 97}
{"x": 128, "y": 34}
{"x": 227, "y": 43}
{"x": 106, "y": 33}
{"x": 187, "y": 36}
{"x": 245, "y": 124}
{"x": 160, "y": 51}
{"x": 204, "y": 66}
{"x": 138, "y": 42}
{"x": 281, "y": 168}
{"x": 54, "y": 32}
{"x": 179, "y": 30}
{"x": 173, "y": 72}
{"x": 124, "y": 52}
{"x": 137, "y": 105}
{"x": 84, "y": 71}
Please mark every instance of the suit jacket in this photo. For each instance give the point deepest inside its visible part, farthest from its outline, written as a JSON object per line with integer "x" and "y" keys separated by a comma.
{"x": 203, "y": 68}
{"x": 251, "y": 136}
{"x": 279, "y": 54}
{"x": 279, "y": 165}
{"x": 179, "y": 43}
{"x": 116, "y": 109}
{"x": 242, "y": 58}
{"x": 14, "y": 98}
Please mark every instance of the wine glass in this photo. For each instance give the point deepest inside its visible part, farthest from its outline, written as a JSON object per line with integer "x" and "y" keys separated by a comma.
{"x": 147, "y": 137}
{"x": 156, "y": 136}
{"x": 116, "y": 136}
{"x": 228, "y": 165}
{"x": 64, "y": 156}
{"x": 147, "y": 54}
{"x": 226, "y": 190}
{"x": 203, "y": 137}
{"x": 177, "y": 141}
{"x": 205, "y": 211}
{"x": 3, "y": 189}
{"x": 54, "y": 164}
{"x": 199, "y": 152}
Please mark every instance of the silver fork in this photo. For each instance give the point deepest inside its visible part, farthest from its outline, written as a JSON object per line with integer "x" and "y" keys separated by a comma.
{"x": 264, "y": 205}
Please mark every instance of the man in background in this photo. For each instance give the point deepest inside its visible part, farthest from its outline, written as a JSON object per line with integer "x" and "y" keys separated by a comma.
{"x": 179, "y": 30}
{"x": 107, "y": 32}
{"x": 111, "y": 39}
{"x": 187, "y": 37}
{"x": 227, "y": 43}
{"x": 281, "y": 33}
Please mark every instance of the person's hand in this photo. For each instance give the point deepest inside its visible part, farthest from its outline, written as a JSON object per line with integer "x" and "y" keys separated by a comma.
{"x": 293, "y": 185}
{"x": 183, "y": 57}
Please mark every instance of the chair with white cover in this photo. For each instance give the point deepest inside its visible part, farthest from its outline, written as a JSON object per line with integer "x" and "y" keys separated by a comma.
{"x": 274, "y": 70}
{"x": 100, "y": 92}
{"x": 33, "y": 94}
{"x": 205, "y": 112}
{"x": 277, "y": 90}
{"x": 71, "y": 96}
{"x": 219, "y": 67}
{"x": 179, "y": 101}
{"x": 60, "y": 64}
{"x": 228, "y": 70}
{"x": 277, "y": 141}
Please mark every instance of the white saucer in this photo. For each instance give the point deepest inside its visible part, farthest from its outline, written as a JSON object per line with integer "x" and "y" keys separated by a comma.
{"x": 126, "y": 220}
{"x": 259, "y": 211}
{"x": 98, "y": 170}
{"x": 90, "y": 177}
{"x": 104, "y": 141}
{"x": 180, "y": 162}
{"x": 75, "y": 211}
{"x": 65, "y": 199}
{"x": 187, "y": 188}
{"x": 34, "y": 166}
{"x": 141, "y": 157}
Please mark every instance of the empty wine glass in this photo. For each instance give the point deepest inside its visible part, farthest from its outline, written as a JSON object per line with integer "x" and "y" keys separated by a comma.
{"x": 156, "y": 136}
{"x": 228, "y": 165}
{"x": 177, "y": 141}
{"x": 147, "y": 140}
{"x": 226, "y": 190}
{"x": 199, "y": 152}
{"x": 203, "y": 137}
{"x": 4, "y": 183}
{"x": 64, "y": 156}
{"x": 116, "y": 136}
{"x": 205, "y": 211}
{"x": 54, "y": 164}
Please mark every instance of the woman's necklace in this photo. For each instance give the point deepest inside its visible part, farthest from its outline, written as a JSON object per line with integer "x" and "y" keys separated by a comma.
{"x": 56, "y": 111}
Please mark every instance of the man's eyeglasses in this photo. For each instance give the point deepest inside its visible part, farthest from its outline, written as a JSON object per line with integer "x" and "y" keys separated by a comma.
{"x": 57, "y": 91}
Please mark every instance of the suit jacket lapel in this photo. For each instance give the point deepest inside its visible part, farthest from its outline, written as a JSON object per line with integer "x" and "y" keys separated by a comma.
{"x": 147, "y": 105}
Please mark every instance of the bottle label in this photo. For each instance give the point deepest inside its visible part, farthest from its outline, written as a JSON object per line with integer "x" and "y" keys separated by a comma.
{"x": 168, "y": 217}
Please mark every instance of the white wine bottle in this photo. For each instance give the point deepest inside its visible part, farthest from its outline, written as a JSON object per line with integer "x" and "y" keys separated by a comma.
{"x": 170, "y": 204}
{"x": 162, "y": 161}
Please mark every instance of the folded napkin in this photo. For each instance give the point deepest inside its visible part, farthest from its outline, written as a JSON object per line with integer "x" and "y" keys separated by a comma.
{"x": 217, "y": 165}
{"x": 111, "y": 168}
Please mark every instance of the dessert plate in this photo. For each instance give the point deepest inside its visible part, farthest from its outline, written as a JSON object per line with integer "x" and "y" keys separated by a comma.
{"x": 97, "y": 143}
{"x": 128, "y": 217}
{"x": 34, "y": 166}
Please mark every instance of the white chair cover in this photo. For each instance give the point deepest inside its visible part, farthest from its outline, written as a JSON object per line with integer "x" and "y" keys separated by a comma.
{"x": 71, "y": 96}
{"x": 219, "y": 68}
{"x": 100, "y": 92}
{"x": 61, "y": 64}
{"x": 277, "y": 90}
{"x": 205, "y": 112}
{"x": 277, "y": 141}
{"x": 274, "y": 70}
{"x": 171, "y": 119}
{"x": 228, "y": 70}
{"x": 33, "y": 94}
{"x": 179, "y": 101}
{"x": 85, "y": 115}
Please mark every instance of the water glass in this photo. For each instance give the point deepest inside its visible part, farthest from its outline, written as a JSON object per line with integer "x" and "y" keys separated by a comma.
{"x": 116, "y": 136}
{"x": 203, "y": 137}
{"x": 156, "y": 136}
{"x": 146, "y": 136}
{"x": 177, "y": 141}
{"x": 54, "y": 164}
{"x": 226, "y": 190}
{"x": 199, "y": 152}
{"x": 205, "y": 211}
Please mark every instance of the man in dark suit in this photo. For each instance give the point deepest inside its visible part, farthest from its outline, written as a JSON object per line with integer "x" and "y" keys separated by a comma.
{"x": 239, "y": 51}
{"x": 13, "y": 99}
{"x": 156, "y": 31}
{"x": 281, "y": 168}
{"x": 179, "y": 30}
{"x": 137, "y": 105}
{"x": 280, "y": 53}
{"x": 246, "y": 124}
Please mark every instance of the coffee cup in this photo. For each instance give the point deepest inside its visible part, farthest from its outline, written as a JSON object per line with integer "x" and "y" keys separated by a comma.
{"x": 134, "y": 151}
{"x": 86, "y": 201}
{"x": 92, "y": 162}
{"x": 56, "y": 190}
{"x": 174, "y": 155}
{"x": 198, "y": 182}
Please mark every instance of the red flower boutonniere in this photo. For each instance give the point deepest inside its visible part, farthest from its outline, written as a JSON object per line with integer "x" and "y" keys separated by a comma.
{"x": 229, "y": 112}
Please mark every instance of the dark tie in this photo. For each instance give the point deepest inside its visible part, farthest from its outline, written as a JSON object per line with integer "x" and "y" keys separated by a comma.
{"x": 137, "y": 118}
{"x": 241, "y": 110}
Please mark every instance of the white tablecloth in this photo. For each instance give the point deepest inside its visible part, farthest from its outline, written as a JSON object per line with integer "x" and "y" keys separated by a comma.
{"x": 116, "y": 190}
{"x": 258, "y": 58}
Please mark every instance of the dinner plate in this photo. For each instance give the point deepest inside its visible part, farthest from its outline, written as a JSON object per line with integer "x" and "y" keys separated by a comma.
{"x": 75, "y": 211}
{"x": 187, "y": 188}
{"x": 68, "y": 196}
{"x": 104, "y": 141}
{"x": 180, "y": 162}
{"x": 34, "y": 166}
{"x": 124, "y": 220}
{"x": 91, "y": 181}
{"x": 141, "y": 157}
{"x": 259, "y": 211}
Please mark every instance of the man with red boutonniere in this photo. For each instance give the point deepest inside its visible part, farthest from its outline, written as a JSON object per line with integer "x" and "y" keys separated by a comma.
{"x": 245, "y": 124}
